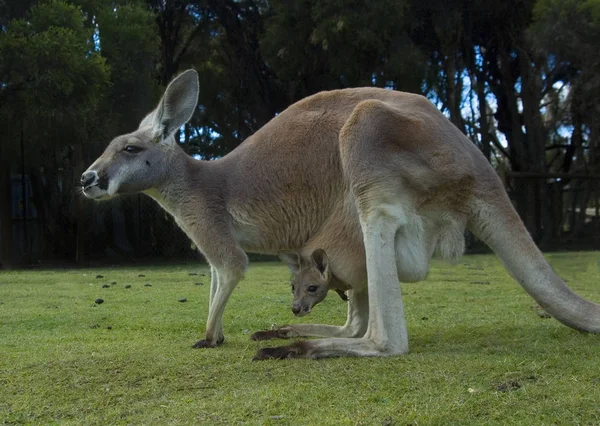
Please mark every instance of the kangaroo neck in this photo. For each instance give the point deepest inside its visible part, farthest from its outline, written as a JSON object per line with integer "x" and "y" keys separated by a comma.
{"x": 188, "y": 183}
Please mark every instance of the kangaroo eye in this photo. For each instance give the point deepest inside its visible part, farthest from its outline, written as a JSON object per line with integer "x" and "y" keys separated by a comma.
{"x": 132, "y": 149}
{"x": 312, "y": 288}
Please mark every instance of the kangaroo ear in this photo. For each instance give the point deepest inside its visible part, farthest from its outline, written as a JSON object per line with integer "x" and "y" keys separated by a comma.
{"x": 320, "y": 261}
{"x": 291, "y": 259}
{"x": 176, "y": 106}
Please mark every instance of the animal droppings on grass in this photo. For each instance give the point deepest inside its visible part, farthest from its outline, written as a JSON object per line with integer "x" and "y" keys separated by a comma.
{"x": 457, "y": 349}
{"x": 98, "y": 301}
{"x": 105, "y": 286}
{"x": 199, "y": 284}
{"x": 511, "y": 385}
{"x": 183, "y": 299}
{"x": 99, "y": 276}
{"x": 109, "y": 327}
{"x": 480, "y": 282}
{"x": 141, "y": 276}
{"x": 191, "y": 274}
{"x": 147, "y": 285}
{"x": 113, "y": 283}
{"x": 424, "y": 318}
{"x": 128, "y": 286}
{"x": 94, "y": 325}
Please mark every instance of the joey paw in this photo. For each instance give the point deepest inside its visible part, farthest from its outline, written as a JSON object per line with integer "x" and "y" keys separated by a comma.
{"x": 266, "y": 335}
{"x": 295, "y": 350}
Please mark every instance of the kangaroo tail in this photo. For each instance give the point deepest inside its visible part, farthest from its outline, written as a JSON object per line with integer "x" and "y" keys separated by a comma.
{"x": 499, "y": 226}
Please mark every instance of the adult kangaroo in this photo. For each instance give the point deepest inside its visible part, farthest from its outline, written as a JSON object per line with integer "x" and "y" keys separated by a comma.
{"x": 379, "y": 179}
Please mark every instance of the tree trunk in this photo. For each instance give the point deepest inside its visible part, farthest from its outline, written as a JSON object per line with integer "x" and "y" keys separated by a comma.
{"x": 80, "y": 215}
{"x": 453, "y": 92}
{"x": 536, "y": 143}
{"x": 5, "y": 214}
{"x": 26, "y": 243}
{"x": 483, "y": 117}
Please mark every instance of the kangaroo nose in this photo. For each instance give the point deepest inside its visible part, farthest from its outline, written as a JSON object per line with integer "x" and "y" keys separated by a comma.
{"x": 296, "y": 309}
{"x": 88, "y": 178}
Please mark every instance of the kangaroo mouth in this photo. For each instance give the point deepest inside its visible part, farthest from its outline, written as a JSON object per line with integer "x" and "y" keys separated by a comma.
{"x": 94, "y": 192}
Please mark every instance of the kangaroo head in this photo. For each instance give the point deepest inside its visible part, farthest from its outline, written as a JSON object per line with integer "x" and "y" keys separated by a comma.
{"x": 141, "y": 160}
{"x": 311, "y": 280}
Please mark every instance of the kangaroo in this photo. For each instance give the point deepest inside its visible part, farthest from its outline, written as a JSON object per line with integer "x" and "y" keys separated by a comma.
{"x": 311, "y": 281}
{"x": 379, "y": 179}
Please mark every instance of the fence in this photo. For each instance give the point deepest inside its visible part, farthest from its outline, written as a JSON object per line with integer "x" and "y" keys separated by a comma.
{"x": 136, "y": 229}
{"x": 126, "y": 229}
{"x": 572, "y": 209}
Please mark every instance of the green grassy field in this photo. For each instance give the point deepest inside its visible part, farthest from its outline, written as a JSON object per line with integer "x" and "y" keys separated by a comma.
{"x": 480, "y": 353}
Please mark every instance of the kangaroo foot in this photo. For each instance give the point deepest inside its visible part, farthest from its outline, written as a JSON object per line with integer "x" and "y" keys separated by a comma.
{"x": 204, "y": 343}
{"x": 295, "y": 350}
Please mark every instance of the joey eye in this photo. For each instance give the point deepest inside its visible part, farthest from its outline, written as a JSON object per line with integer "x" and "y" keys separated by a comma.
{"x": 132, "y": 149}
{"x": 312, "y": 288}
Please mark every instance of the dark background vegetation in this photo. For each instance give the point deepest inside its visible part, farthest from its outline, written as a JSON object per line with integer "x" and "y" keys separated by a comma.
{"x": 519, "y": 78}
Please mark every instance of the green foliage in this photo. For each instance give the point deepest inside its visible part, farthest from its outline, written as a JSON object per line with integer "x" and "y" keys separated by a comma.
{"x": 50, "y": 72}
{"x": 318, "y": 45}
{"x": 480, "y": 354}
{"x": 128, "y": 41}
{"x": 520, "y": 78}
{"x": 360, "y": 34}
{"x": 570, "y": 30}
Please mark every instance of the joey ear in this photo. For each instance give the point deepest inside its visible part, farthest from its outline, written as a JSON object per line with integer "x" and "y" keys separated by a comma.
{"x": 176, "y": 106}
{"x": 320, "y": 261}
{"x": 291, "y": 259}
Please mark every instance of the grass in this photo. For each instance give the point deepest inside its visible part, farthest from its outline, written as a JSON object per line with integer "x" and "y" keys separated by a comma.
{"x": 480, "y": 353}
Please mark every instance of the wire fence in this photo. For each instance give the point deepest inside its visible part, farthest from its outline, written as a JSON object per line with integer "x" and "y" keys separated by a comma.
{"x": 124, "y": 230}
{"x": 134, "y": 228}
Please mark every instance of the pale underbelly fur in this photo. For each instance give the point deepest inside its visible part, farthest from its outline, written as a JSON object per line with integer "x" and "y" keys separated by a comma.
{"x": 418, "y": 239}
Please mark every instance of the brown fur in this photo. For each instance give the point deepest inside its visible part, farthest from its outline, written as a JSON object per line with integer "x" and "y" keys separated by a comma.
{"x": 379, "y": 179}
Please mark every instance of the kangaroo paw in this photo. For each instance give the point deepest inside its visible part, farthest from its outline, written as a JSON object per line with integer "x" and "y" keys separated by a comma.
{"x": 265, "y": 335}
{"x": 278, "y": 333}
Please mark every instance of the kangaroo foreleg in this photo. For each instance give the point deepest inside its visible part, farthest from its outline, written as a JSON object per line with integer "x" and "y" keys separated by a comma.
{"x": 214, "y": 285}
{"x": 223, "y": 280}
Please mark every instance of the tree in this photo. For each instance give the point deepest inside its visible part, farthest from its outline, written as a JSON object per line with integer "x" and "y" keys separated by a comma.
{"x": 51, "y": 84}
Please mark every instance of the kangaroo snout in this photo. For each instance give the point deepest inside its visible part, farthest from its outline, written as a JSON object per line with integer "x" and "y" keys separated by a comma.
{"x": 88, "y": 178}
{"x": 300, "y": 310}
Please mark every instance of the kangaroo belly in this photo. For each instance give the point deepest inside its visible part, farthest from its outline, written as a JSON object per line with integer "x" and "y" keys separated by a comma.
{"x": 422, "y": 237}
